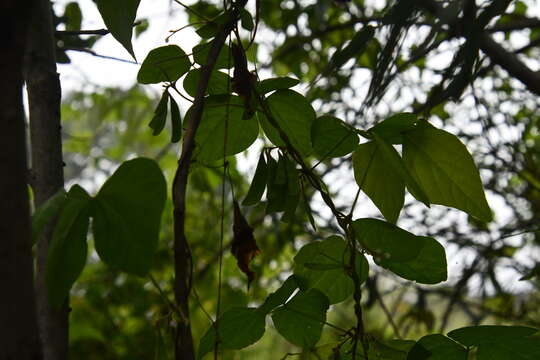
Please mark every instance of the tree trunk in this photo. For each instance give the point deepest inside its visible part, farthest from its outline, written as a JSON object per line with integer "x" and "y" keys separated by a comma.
{"x": 19, "y": 338}
{"x": 44, "y": 96}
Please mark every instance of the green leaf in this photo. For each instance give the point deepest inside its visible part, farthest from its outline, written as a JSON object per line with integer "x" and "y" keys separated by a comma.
{"x": 428, "y": 267}
{"x": 294, "y": 115}
{"x": 392, "y": 128}
{"x": 332, "y": 137}
{"x": 379, "y": 180}
{"x": 208, "y": 30}
{"x": 386, "y": 240}
{"x": 279, "y": 83}
{"x": 176, "y": 122}
{"x": 238, "y": 328}
{"x": 128, "y": 215}
{"x": 301, "y": 320}
{"x": 258, "y": 184}
{"x": 280, "y": 296}
{"x": 246, "y": 20}
{"x": 163, "y": 64}
{"x": 437, "y": 347}
{"x": 224, "y": 59}
{"x": 73, "y": 16}
{"x": 393, "y": 159}
{"x": 119, "y": 16}
{"x": 67, "y": 252}
{"x": 445, "y": 170}
{"x": 219, "y": 83}
{"x": 160, "y": 114}
{"x": 477, "y": 335}
{"x": 499, "y": 342}
{"x": 354, "y": 48}
{"x": 46, "y": 212}
{"x": 277, "y": 185}
{"x": 335, "y": 282}
{"x": 241, "y": 133}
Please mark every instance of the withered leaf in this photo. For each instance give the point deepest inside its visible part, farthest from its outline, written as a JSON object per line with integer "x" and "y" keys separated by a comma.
{"x": 244, "y": 248}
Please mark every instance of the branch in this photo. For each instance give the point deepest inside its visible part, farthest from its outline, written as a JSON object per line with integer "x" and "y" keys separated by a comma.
{"x": 510, "y": 62}
{"x": 182, "y": 253}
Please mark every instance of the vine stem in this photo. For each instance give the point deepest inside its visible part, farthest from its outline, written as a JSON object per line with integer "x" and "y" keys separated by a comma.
{"x": 182, "y": 253}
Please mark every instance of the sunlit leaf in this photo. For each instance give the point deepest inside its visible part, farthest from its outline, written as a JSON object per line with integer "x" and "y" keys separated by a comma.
{"x": 332, "y": 137}
{"x": 445, "y": 170}
{"x": 391, "y": 129}
{"x": 379, "y": 180}
{"x": 294, "y": 116}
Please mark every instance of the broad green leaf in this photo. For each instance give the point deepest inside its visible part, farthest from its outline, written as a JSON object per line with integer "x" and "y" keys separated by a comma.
{"x": 224, "y": 59}
{"x": 240, "y": 133}
{"x": 219, "y": 83}
{"x": 160, "y": 114}
{"x": 279, "y": 83}
{"x": 437, "y": 347}
{"x": 477, "y": 335}
{"x": 500, "y": 342}
{"x": 176, "y": 122}
{"x": 127, "y": 215}
{"x": 280, "y": 296}
{"x": 445, "y": 170}
{"x": 68, "y": 249}
{"x": 332, "y": 137}
{"x": 294, "y": 116}
{"x": 392, "y": 128}
{"x": 208, "y": 30}
{"x": 428, "y": 267}
{"x": 277, "y": 185}
{"x": 47, "y": 212}
{"x": 246, "y": 20}
{"x": 379, "y": 180}
{"x": 510, "y": 348}
{"x": 258, "y": 184}
{"x": 301, "y": 320}
{"x": 393, "y": 159}
{"x": 119, "y": 16}
{"x": 387, "y": 241}
{"x": 335, "y": 281}
{"x": 163, "y": 64}
{"x": 238, "y": 328}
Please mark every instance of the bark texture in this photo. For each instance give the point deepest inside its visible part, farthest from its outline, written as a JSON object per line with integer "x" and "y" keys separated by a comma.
{"x": 19, "y": 338}
{"x": 44, "y": 96}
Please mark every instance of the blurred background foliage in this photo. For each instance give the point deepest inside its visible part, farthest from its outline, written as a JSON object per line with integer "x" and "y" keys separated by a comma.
{"x": 493, "y": 268}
